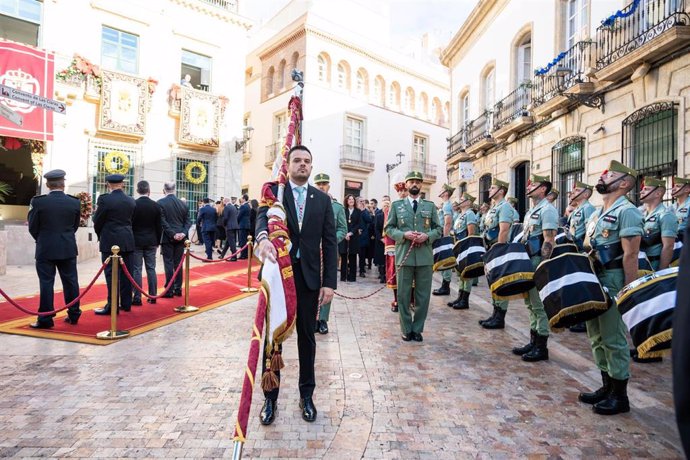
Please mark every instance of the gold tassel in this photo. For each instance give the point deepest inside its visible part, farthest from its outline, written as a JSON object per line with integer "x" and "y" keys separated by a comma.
{"x": 277, "y": 361}
{"x": 269, "y": 381}
{"x": 469, "y": 268}
{"x": 521, "y": 276}
{"x": 575, "y": 309}
{"x": 644, "y": 349}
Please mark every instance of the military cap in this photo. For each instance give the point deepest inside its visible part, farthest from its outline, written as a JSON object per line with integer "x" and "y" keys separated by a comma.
{"x": 399, "y": 186}
{"x": 500, "y": 183}
{"x": 653, "y": 182}
{"x": 579, "y": 184}
{"x": 617, "y": 166}
{"x": 447, "y": 188}
{"x": 681, "y": 180}
{"x": 467, "y": 197}
{"x": 537, "y": 179}
{"x": 114, "y": 178}
{"x": 414, "y": 175}
{"x": 512, "y": 200}
{"x": 55, "y": 174}
{"x": 322, "y": 178}
{"x": 456, "y": 204}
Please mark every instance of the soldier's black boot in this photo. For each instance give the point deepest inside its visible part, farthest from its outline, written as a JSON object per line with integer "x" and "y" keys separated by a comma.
{"x": 617, "y": 400}
{"x": 482, "y": 321}
{"x": 464, "y": 301}
{"x": 443, "y": 290}
{"x": 498, "y": 321}
{"x": 522, "y": 350}
{"x": 539, "y": 351}
{"x": 452, "y": 303}
{"x": 600, "y": 394}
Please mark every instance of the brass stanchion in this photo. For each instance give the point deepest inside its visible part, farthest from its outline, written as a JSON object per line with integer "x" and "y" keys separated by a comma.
{"x": 249, "y": 287}
{"x": 113, "y": 333}
{"x": 186, "y": 308}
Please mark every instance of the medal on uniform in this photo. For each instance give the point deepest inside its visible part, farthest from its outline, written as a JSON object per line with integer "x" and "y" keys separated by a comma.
{"x": 426, "y": 222}
{"x": 605, "y": 233}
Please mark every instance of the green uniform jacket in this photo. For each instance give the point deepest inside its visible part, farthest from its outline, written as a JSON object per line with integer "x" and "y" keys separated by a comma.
{"x": 340, "y": 221}
{"x": 659, "y": 221}
{"x": 401, "y": 218}
{"x": 579, "y": 218}
{"x": 682, "y": 215}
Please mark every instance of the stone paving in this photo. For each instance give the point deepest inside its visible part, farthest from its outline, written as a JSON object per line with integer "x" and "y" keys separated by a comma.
{"x": 173, "y": 392}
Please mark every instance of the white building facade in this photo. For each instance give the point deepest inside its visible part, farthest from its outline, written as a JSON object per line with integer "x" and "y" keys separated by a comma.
{"x": 366, "y": 108}
{"x": 563, "y": 92}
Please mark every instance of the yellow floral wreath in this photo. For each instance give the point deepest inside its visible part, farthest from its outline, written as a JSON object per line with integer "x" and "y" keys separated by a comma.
{"x": 191, "y": 167}
{"x": 115, "y": 155}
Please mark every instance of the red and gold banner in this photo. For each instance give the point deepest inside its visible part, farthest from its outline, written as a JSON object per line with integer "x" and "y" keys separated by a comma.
{"x": 31, "y": 70}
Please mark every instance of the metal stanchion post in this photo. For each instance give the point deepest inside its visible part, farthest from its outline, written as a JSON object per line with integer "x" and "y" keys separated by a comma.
{"x": 113, "y": 333}
{"x": 249, "y": 287}
{"x": 186, "y": 308}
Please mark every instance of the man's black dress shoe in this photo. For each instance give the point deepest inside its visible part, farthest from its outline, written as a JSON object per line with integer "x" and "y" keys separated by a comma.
{"x": 323, "y": 327}
{"x": 41, "y": 325}
{"x": 103, "y": 311}
{"x": 168, "y": 295}
{"x": 178, "y": 292}
{"x": 232, "y": 259}
{"x": 71, "y": 321}
{"x": 308, "y": 409}
{"x": 136, "y": 303}
{"x": 417, "y": 337}
{"x": 150, "y": 300}
{"x": 268, "y": 412}
{"x": 407, "y": 337}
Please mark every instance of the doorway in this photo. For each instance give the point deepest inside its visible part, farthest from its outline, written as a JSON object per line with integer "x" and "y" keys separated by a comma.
{"x": 521, "y": 176}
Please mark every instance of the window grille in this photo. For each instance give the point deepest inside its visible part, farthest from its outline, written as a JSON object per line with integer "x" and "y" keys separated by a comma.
{"x": 99, "y": 153}
{"x": 568, "y": 165}
{"x": 484, "y": 186}
{"x": 187, "y": 190}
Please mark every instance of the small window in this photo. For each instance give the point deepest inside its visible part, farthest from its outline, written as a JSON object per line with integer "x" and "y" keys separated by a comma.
{"x": 195, "y": 71}
{"x": 119, "y": 50}
{"x": 323, "y": 68}
{"x": 419, "y": 148}
{"x": 379, "y": 86}
{"x": 524, "y": 61}
{"x": 361, "y": 83}
{"x": 424, "y": 102}
{"x": 489, "y": 90}
{"x": 342, "y": 76}
{"x": 466, "y": 109}
{"x": 354, "y": 132}
{"x": 409, "y": 101}
{"x": 20, "y": 21}
{"x": 394, "y": 96}
{"x": 568, "y": 165}
{"x": 484, "y": 186}
{"x": 281, "y": 75}
{"x": 280, "y": 123}
{"x": 576, "y": 18}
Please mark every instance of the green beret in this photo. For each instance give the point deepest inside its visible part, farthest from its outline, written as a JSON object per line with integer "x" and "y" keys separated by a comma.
{"x": 681, "y": 180}
{"x": 579, "y": 184}
{"x": 500, "y": 183}
{"x": 537, "y": 179}
{"x": 653, "y": 182}
{"x": 414, "y": 175}
{"x": 447, "y": 188}
{"x": 321, "y": 178}
{"x": 617, "y": 166}
{"x": 467, "y": 197}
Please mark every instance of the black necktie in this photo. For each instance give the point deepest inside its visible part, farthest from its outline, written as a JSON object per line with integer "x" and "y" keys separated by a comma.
{"x": 414, "y": 205}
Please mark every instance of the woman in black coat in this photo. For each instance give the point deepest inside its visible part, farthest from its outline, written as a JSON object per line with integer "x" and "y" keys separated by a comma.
{"x": 349, "y": 247}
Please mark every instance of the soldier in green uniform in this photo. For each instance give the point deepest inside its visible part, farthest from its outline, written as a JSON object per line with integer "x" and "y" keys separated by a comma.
{"x": 577, "y": 224}
{"x": 539, "y": 233}
{"x": 497, "y": 222}
{"x": 660, "y": 225}
{"x": 681, "y": 193}
{"x": 465, "y": 225}
{"x": 445, "y": 216}
{"x": 323, "y": 183}
{"x": 613, "y": 239}
{"x": 413, "y": 222}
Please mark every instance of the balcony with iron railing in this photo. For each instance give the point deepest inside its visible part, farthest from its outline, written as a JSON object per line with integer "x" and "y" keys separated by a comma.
{"x": 511, "y": 114}
{"x": 272, "y": 152}
{"x": 456, "y": 147}
{"x": 643, "y": 32}
{"x": 565, "y": 75}
{"x": 479, "y": 133}
{"x": 427, "y": 169}
{"x": 227, "y": 5}
{"x": 356, "y": 158}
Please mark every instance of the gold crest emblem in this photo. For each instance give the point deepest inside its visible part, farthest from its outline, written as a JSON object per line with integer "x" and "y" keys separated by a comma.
{"x": 605, "y": 233}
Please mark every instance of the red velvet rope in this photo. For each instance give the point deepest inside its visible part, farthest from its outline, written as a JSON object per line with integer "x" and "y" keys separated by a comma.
{"x": 52, "y": 312}
{"x": 125, "y": 270}
{"x": 221, "y": 260}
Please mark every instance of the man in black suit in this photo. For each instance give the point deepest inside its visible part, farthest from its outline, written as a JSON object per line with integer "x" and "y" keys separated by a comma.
{"x": 681, "y": 346}
{"x": 112, "y": 222}
{"x": 206, "y": 218}
{"x": 147, "y": 229}
{"x": 312, "y": 232}
{"x": 244, "y": 222}
{"x": 176, "y": 223}
{"x": 231, "y": 227}
{"x": 53, "y": 221}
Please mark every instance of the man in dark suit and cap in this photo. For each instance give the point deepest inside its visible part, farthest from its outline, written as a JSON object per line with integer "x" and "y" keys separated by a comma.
{"x": 53, "y": 221}
{"x": 112, "y": 222}
{"x": 176, "y": 225}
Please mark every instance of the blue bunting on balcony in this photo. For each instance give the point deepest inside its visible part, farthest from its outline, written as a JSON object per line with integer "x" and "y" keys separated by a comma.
{"x": 555, "y": 61}
{"x": 608, "y": 22}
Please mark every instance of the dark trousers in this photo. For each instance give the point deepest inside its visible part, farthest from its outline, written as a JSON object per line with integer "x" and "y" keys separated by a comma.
{"x": 67, "y": 269}
{"x": 363, "y": 258}
{"x": 307, "y": 307}
{"x": 172, "y": 255}
{"x": 348, "y": 267}
{"x": 230, "y": 242}
{"x": 243, "y": 240}
{"x": 209, "y": 239}
{"x": 125, "y": 287}
{"x": 146, "y": 255}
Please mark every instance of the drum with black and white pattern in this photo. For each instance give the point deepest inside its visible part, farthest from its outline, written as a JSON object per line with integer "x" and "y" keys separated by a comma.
{"x": 468, "y": 254}
{"x": 508, "y": 269}
{"x": 443, "y": 253}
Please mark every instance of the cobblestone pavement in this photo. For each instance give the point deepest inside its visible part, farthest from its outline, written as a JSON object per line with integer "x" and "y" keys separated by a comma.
{"x": 173, "y": 392}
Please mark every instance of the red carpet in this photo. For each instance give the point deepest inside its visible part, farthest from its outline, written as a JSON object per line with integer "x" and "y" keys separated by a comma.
{"x": 211, "y": 285}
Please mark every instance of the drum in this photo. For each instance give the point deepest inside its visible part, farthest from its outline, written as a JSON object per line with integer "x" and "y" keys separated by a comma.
{"x": 644, "y": 267}
{"x": 508, "y": 269}
{"x": 564, "y": 248}
{"x": 443, "y": 253}
{"x": 646, "y": 306}
{"x": 569, "y": 289}
{"x": 468, "y": 254}
{"x": 515, "y": 234}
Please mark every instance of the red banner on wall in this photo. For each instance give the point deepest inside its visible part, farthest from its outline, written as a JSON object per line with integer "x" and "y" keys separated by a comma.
{"x": 31, "y": 70}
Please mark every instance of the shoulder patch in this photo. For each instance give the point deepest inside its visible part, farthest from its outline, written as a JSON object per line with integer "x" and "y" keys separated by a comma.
{"x": 610, "y": 218}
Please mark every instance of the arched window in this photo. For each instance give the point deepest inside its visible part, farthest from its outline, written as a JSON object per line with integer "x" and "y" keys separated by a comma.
{"x": 324, "y": 67}
{"x": 409, "y": 101}
{"x": 293, "y": 61}
{"x": 446, "y": 113}
{"x": 567, "y": 166}
{"x": 281, "y": 75}
{"x": 343, "y": 76}
{"x": 436, "y": 111}
{"x": 379, "y": 94}
{"x": 489, "y": 89}
{"x": 424, "y": 103}
{"x": 394, "y": 96}
{"x": 463, "y": 108}
{"x": 362, "y": 85}
{"x": 522, "y": 61}
{"x": 269, "y": 80}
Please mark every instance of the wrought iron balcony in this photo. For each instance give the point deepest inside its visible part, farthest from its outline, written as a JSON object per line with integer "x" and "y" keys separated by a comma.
{"x": 569, "y": 71}
{"x": 457, "y": 143}
{"x": 513, "y": 107}
{"x": 428, "y": 170}
{"x": 480, "y": 128}
{"x": 272, "y": 152}
{"x": 228, "y": 5}
{"x": 356, "y": 157}
{"x": 643, "y": 31}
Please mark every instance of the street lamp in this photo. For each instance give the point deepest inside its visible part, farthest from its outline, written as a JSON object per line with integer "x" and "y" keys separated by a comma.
{"x": 391, "y": 166}
{"x": 246, "y": 135}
